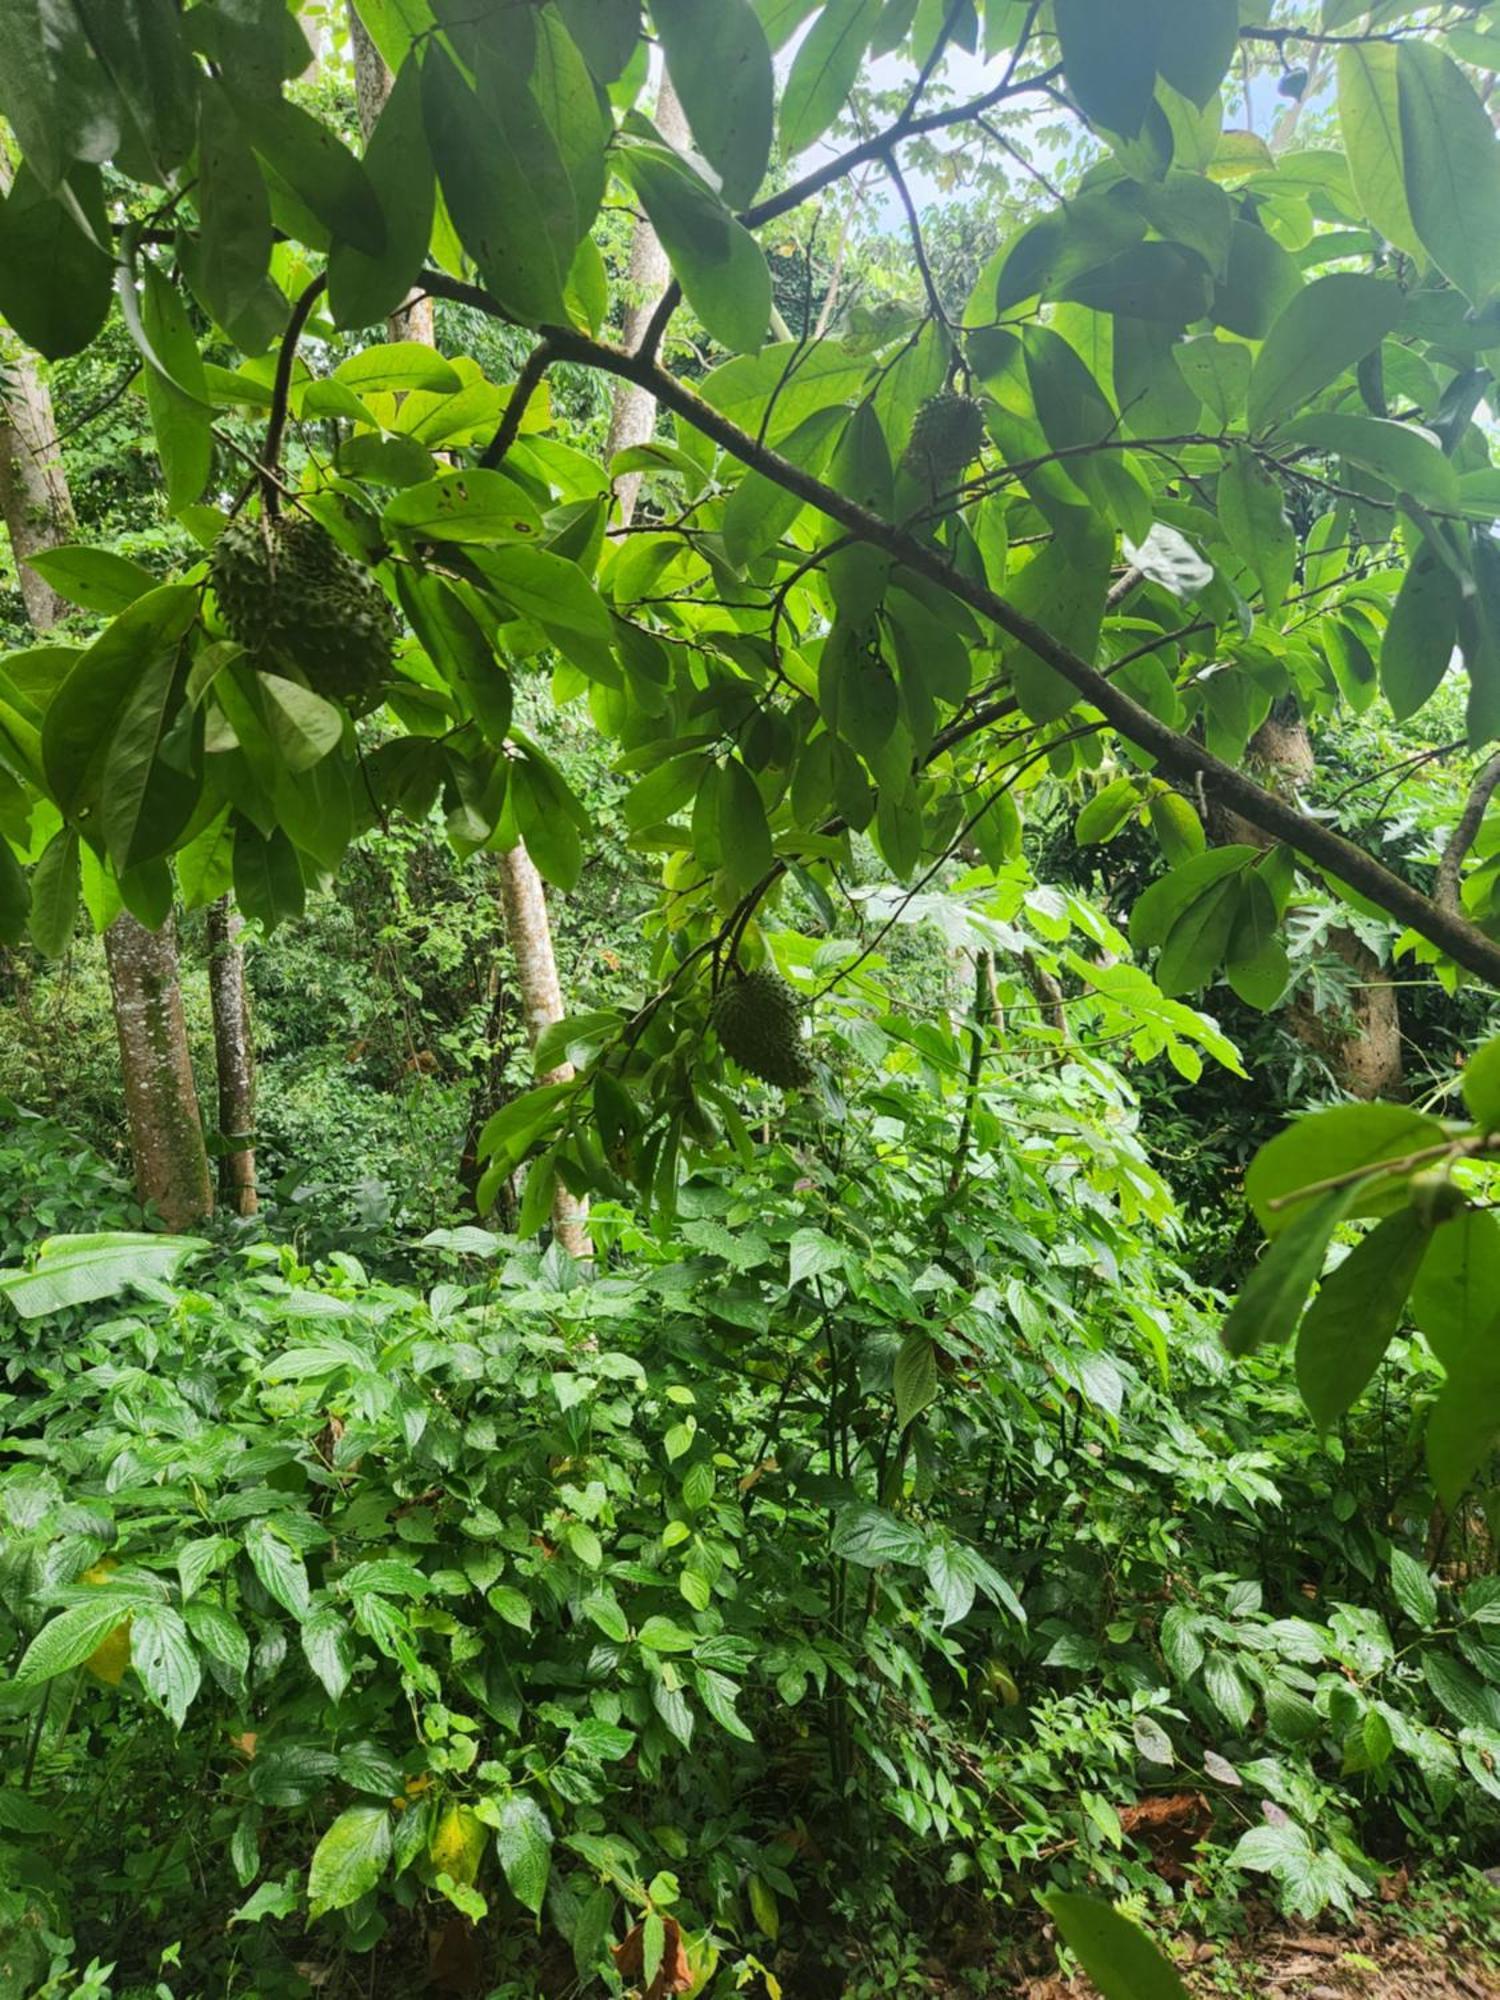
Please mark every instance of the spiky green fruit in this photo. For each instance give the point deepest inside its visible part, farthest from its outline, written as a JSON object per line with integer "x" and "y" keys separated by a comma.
{"x": 288, "y": 593}
{"x": 758, "y": 1020}
{"x": 946, "y": 437}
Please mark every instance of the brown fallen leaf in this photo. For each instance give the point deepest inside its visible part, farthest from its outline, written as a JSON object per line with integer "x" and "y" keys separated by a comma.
{"x": 674, "y": 1975}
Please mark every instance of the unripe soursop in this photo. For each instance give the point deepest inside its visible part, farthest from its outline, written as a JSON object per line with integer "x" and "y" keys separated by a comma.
{"x": 758, "y": 1020}
{"x": 946, "y": 437}
{"x": 287, "y": 592}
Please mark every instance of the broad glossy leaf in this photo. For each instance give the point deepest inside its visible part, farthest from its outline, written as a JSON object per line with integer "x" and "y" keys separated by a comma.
{"x": 83, "y": 714}
{"x": 316, "y": 165}
{"x": 80, "y": 1270}
{"x": 1457, "y": 1291}
{"x": 1252, "y": 512}
{"x": 823, "y": 71}
{"x": 1109, "y": 60}
{"x": 150, "y": 783}
{"x": 915, "y": 1380}
{"x": 1262, "y": 281}
{"x": 724, "y": 83}
{"x": 744, "y": 835}
{"x": 176, "y": 392}
{"x": 474, "y": 505}
{"x": 1063, "y": 588}
{"x": 268, "y": 884}
{"x": 719, "y": 264}
{"x": 162, "y": 1654}
{"x": 1370, "y": 127}
{"x": 67, "y": 1640}
{"x": 1273, "y": 1296}
{"x": 363, "y": 289}
{"x": 1356, "y": 1314}
{"x": 98, "y": 579}
{"x": 491, "y": 194}
{"x": 234, "y": 214}
{"x": 1451, "y": 158}
{"x": 55, "y": 281}
{"x": 1348, "y": 1139}
{"x": 54, "y": 894}
{"x": 1421, "y": 634}
{"x": 1403, "y": 457}
{"x": 55, "y": 93}
{"x": 1329, "y": 326}
{"x": 1117, "y": 1956}
{"x": 1218, "y": 372}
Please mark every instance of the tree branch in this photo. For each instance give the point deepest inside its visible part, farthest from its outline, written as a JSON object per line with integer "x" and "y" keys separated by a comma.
{"x": 513, "y": 415}
{"x": 1450, "y": 868}
{"x": 1177, "y": 755}
{"x": 270, "y": 457}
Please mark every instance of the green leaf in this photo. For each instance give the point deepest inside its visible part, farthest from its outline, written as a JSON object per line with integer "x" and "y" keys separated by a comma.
{"x": 1454, "y": 1300}
{"x": 140, "y": 44}
{"x": 1252, "y": 513}
{"x": 495, "y": 196}
{"x": 1328, "y": 327}
{"x": 328, "y": 1651}
{"x": 1345, "y": 1140}
{"x": 54, "y": 894}
{"x": 162, "y": 1654}
{"x": 523, "y": 1839}
{"x": 724, "y": 83}
{"x": 721, "y": 267}
{"x": 79, "y": 1270}
{"x": 317, "y": 166}
{"x": 15, "y": 897}
{"x": 1413, "y": 1589}
{"x": 363, "y": 289}
{"x": 1370, "y": 127}
{"x": 915, "y": 1379}
{"x": 145, "y": 799}
{"x": 55, "y": 281}
{"x": 279, "y": 1568}
{"x": 1063, "y": 589}
{"x": 1452, "y": 168}
{"x": 98, "y": 579}
{"x": 824, "y": 69}
{"x": 234, "y": 213}
{"x": 1272, "y": 1297}
{"x": 177, "y": 398}
{"x": 67, "y": 1640}
{"x": 1196, "y": 43}
{"x": 1256, "y": 962}
{"x": 474, "y": 505}
{"x": 1261, "y": 282}
{"x": 1481, "y": 1086}
{"x": 1164, "y": 902}
{"x": 1119, "y": 1958}
{"x": 1218, "y": 373}
{"x": 1356, "y": 1315}
{"x": 457, "y": 647}
{"x": 349, "y": 1860}
{"x": 1405, "y": 458}
{"x": 550, "y": 836}
{"x": 1109, "y": 60}
{"x": 268, "y": 884}
{"x": 1421, "y": 634}
{"x": 404, "y": 365}
{"x": 744, "y": 833}
{"x": 53, "y": 90}
{"x": 869, "y": 1536}
{"x": 1464, "y": 1421}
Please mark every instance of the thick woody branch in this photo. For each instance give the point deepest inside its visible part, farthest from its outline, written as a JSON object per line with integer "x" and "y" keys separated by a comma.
{"x": 1450, "y": 868}
{"x": 1177, "y": 755}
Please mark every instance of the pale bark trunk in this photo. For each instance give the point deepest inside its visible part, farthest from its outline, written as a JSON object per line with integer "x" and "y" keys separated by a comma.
{"x": 633, "y": 418}
{"x": 522, "y": 894}
{"x": 161, "y": 1103}
{"x": 166, "y": 1135}
{"x": 1366, "y": 1055}
{"x": 372, "y": 86}
{"x": 530, "y": 934}
{"x": 235, "y": 1053}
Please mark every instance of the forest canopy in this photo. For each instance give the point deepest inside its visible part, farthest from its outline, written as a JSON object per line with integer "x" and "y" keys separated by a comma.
{"x": 947, "y": 551}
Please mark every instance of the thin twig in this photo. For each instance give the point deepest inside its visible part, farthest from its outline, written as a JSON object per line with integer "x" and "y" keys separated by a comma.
{"x": 1450, "y": 868}
{"x": 514, "y": 414}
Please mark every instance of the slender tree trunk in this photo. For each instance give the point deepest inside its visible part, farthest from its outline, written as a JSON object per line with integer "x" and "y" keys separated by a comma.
{"x": 530, "y": 934}
{"x": 161, "y": 1100}
{"x": 235, "y": 1053}
{"x": 632, "y": 419}
{"x": 161, "y": 1103}
{"x": 372, "y": 86}
{"x": 521, "y": 891}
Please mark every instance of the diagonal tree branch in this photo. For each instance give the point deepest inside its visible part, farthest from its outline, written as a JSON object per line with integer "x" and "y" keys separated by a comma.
{"x": 1176, "y": 754}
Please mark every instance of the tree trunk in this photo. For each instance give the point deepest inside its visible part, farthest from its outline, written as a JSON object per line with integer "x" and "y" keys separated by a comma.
{"x": 166, "y": 1133}
{"x": 632, "y": 419}
{"x": 1365, "y": 1055}
{"x": 530, "y": 934}
{"x": 372, "y": 86}
{"x": 161, "y": 1104}
{"x": 235, "y": 1053}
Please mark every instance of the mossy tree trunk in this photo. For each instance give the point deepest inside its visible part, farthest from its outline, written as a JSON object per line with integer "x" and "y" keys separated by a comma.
{"x": 161, "y": 1102}
{"x": 234, "y": 1050}
{"x": 166, "y": 1133}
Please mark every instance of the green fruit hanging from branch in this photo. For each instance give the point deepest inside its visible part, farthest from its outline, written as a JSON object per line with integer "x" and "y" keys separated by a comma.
{"x": 287, "y": 592}
{"x": 758, "y": 1020}
{"x": 946, "y": 437}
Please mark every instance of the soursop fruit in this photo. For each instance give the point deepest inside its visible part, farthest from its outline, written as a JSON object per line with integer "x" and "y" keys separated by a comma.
{"x": 758, "y": 1020}
{"x": 288, "y": 593}
{"x": 946, "y": 437}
